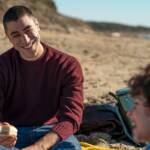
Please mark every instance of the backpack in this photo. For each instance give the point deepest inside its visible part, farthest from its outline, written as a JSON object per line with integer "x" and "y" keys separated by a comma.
{"x": 110, "y": 118}
{"x": 101, "y": 118}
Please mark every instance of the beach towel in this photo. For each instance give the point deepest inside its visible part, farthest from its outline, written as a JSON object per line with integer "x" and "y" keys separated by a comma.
{"x": 87, "y": 146}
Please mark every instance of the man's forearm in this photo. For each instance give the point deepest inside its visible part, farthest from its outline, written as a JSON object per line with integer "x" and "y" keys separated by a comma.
{"x": 49, "y": 140}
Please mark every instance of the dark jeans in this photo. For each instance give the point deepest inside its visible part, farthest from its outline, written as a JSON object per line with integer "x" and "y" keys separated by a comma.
{"x": 147, "y": 147}
{"x": 29, "y": 135}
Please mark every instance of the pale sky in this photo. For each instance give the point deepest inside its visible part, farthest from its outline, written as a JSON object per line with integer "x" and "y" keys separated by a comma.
{"x": 130, "y": 12}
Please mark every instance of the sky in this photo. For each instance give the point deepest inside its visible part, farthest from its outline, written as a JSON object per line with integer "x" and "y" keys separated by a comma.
{"x": 130, "y": 12}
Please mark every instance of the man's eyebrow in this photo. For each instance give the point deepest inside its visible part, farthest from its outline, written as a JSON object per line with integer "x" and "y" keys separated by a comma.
{"x": 14, "y": 32}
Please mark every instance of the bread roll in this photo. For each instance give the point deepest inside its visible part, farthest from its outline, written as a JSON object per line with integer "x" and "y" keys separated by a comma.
{"x": 7, "y": 129}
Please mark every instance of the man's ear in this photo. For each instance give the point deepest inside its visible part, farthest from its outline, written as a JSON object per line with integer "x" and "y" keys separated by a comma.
{"x": 6, "y": 34}
{"x": 36, "y": 22}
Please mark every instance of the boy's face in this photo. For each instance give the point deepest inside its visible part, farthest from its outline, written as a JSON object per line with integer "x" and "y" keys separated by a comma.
{"x": 24, "y": 35}
{"x": 140, "y": 118}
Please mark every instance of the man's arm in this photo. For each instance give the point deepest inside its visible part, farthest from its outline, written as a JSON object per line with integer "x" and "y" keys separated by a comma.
{"x": 46, "y": 142}
{"x": 71, "y": 101}
{"x": 10, "y": 139}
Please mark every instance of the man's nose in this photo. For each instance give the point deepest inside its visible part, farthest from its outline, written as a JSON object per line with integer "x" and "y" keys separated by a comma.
{"x": 129, "y": 113}
{"x": 25, "y": 39}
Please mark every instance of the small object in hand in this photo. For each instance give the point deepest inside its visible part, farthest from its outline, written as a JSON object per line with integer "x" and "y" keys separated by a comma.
{"x": 7, "y": 129}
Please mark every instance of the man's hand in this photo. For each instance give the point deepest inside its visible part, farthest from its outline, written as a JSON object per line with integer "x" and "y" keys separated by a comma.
{"x": 8, "y": 140}
{"x": 8, "y": 135}
{"x": 33, "y": 147}
{"x": 45, "y": 143}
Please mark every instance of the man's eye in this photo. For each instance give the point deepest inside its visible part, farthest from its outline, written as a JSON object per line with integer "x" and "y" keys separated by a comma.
{"x": 28, "y": 31}
{"x": 16, "y": 36}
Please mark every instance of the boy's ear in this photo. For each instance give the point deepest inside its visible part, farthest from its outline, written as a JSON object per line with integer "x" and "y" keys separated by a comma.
{"x": 36, "y": 22}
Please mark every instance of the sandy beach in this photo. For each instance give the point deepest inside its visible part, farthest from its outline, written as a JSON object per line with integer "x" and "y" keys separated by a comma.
{"x": 107, "y": 62}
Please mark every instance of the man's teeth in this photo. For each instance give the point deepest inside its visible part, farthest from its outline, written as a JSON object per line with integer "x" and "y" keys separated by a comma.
{"x": 133, "y": 124}
{"x": 28, "y": 46}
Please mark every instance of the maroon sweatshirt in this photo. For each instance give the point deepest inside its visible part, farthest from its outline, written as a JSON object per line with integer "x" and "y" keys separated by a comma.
{"x": 41, "y": 92}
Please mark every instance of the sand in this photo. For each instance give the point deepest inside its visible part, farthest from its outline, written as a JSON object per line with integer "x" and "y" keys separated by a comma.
{"x": 107, "y": 62}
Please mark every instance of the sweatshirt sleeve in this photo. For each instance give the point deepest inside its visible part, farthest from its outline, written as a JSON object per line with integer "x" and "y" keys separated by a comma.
{"x": 71, "y": 105}
{"x": 2, "y": 82}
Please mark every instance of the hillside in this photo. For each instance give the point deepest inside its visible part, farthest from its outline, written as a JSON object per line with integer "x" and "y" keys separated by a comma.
{"x": 116, "y": 27}
{"x": 46, "y": 12}
{"x": 49, "y": 17}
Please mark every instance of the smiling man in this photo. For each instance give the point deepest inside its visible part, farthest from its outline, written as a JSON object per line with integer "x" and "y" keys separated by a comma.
{"x": 140, "y": 113}
{"x": 23, "y": 33}
{"x": 41, "y": 88}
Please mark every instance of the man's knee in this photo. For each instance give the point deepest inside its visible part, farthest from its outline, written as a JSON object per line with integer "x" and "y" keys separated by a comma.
{"x": 5, "y": 148}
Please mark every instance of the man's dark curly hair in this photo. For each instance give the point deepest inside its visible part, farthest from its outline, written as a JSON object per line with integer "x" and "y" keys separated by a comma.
{"x": 140, "y": 84}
